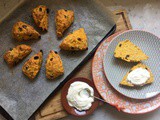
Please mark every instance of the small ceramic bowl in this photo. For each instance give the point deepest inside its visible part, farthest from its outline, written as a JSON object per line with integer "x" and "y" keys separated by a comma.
{"x": 72, "y": 110}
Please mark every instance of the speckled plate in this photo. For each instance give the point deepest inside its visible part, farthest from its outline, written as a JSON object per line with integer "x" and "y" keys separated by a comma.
{"x": 115, "y": 69}
{"x": 110, "y": 95}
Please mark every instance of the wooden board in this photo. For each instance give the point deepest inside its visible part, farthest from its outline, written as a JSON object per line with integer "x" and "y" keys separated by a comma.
{"x": 53, "y": 109}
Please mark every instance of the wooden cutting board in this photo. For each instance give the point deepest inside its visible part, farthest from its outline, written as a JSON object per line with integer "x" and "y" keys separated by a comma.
{"x": 53, "y": 109}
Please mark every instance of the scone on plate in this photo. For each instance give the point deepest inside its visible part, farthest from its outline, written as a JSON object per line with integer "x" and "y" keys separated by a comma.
{"x": 33, "y": 65}
{"x": 63, "y": 20}
{"x": 22, "y": 32}
{"x": 75, "y": 41}
{"x": 139, "y": 75}
{"x": 129, "y": 52}
{"x": 54, "y": 65}
{"x": 15, "y": 55}
{"x": 40, "y": 16}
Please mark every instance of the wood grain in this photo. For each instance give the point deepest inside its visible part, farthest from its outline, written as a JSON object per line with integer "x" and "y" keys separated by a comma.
{"x": 53, "y": 109}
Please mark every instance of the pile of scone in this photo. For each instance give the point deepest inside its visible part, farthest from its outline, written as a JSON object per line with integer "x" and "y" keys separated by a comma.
{"x": 21, "y": 31}
{"x": 140, "y": 74}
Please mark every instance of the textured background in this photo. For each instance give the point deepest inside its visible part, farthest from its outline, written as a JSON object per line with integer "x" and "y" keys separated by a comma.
{"x": 141, "y": 14}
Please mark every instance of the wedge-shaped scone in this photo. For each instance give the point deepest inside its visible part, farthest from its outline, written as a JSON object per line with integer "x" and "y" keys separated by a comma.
{"x": 129, "y": 52}
{"x": 63, "y": 19}
{"x": 40, "y": 16}
{"x": 22, "y": 32}
{"x": 54, "y": 65}
{"x": 15, "y": 55}
{"x": 126, "y": 82}
{"x": 33, "y": 65}
{"x": 75, "y": 41}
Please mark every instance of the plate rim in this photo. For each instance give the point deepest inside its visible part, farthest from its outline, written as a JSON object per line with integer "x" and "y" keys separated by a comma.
{"x": 93, "y": 77}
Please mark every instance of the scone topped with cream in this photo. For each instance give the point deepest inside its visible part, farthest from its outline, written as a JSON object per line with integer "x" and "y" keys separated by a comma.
{"x": 139, "y": 75}
{"x": 129, "y": 52}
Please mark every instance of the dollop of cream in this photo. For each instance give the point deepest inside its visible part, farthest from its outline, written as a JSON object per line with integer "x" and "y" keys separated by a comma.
{"x": 138, "y": 76}
{"x": 80, "y": 95}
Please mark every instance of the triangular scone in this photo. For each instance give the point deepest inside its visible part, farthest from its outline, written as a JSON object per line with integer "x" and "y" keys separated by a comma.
{"x": 125, "y": 82}
{"x": 75, "y": 41}
{"x": 33, "y": 65}
{"x": 22, "y": 32}
{"x": 40, "y": 16}
{"x": 63, "y": 19}
{"x": 13, "y": 56}
{"x": 129, "y": 52}
{"x": 54, "y": 65}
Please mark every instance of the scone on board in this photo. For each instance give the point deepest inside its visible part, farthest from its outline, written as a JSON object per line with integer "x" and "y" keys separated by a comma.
{"x": 23, "y": 32}
{"x": 54, "y": 65}
{"x": 33, "y": 65}
{"x": 75, "y": 41}
{"x": 63, "y": 20}
{"x": 15, "y": 55}
{"x": 129, "y": 52}
{"x": 139, "y": 75}
{"x": 40, "y": 16}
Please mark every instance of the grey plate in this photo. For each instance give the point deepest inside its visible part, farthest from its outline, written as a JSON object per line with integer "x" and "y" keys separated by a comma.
{"x": 115, "y": 69}
{"x": 19, "y": 96}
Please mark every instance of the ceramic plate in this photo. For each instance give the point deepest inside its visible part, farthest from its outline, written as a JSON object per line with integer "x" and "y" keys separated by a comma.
{"x": 113, "y": 97}
{"x": 72, "y": 110}
{"x": 115, "y": 69}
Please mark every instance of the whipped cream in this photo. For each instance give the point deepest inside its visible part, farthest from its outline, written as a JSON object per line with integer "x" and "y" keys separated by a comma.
{"x": 80, "y": 95}
{"x": 138, "y": 76}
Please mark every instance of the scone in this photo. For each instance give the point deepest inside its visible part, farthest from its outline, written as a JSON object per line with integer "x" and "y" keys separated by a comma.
{"x": 54, "y": 65}
{"x": 40, "y": 16}
{"x": 76, "y": 41}
{"x": 33, "y": 65}
{"x": 129, "y": 52}
{"x": 15, "y": 55}
{"x": 139, "y": 75}
{"x": 63, "y": 19}
{"x": 22, "y": 32}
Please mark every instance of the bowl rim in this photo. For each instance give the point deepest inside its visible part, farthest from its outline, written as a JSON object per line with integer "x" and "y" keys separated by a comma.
{"x": 72, "y": 110}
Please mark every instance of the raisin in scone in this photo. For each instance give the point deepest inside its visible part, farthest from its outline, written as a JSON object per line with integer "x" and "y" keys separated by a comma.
{"x": 76, "y": 41}
{"x": 40, "y": 16}
{"x": 129, "y": 52}
{"x": 54, "y": 65}
{"x": 15, "y": 55}
{"x": 139, "y": 75}
{"x": 33, "y": 65}
{"x": 63, "y": 20}
{"x": 23, "y": 32}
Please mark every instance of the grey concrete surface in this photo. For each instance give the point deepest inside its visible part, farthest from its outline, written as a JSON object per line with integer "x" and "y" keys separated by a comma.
{"x": 144, "y": 15}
